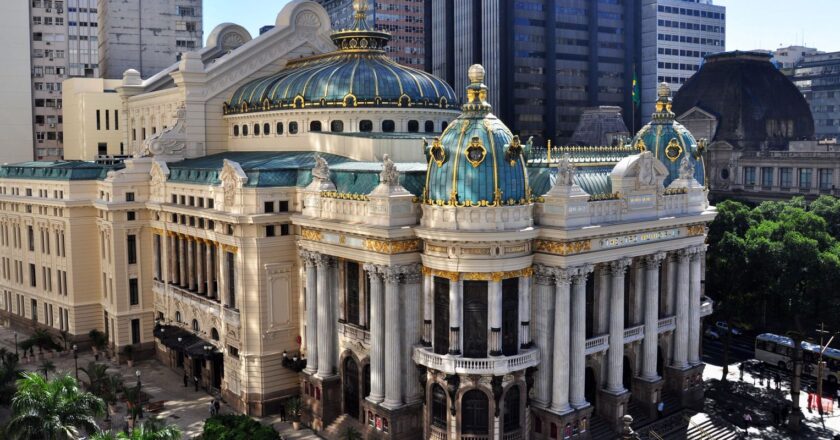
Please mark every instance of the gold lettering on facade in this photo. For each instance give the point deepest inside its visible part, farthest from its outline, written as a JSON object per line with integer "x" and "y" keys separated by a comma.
{"x": 311, "y": 234}
{"x": 693, "y": 230}
{"x": 392, "y": 247}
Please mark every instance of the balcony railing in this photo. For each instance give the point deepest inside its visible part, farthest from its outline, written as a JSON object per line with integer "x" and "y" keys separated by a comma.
{"x": 597, "y": 344}
{"x": 438, "y": 433}
{"x": 475, "y": 437}
{"x": 667, "y": 324}
{"x": 354, "y": 333}
{"x": 461, "y": 365}
{"x": 515, "y": 435}
{"x": 634, "y": 333}
{"x": 706, "y": 307}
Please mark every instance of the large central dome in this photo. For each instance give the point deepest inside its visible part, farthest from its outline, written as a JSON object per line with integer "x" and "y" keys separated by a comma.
{"x": 358, "y": 74}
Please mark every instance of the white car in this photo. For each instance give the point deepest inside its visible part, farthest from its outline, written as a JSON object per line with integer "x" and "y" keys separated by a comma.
{"x": 724, "y": 328}
{"x": 711, "y": 333}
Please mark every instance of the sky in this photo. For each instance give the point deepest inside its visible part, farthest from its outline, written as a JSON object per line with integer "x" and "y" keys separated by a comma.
{"x": 750, "y": 24}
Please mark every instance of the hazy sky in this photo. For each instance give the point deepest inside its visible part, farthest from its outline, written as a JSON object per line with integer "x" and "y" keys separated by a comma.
{"x": 750, "y": 24}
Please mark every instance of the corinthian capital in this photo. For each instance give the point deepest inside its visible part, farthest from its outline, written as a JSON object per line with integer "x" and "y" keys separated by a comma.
{"x": 411, "y": 273}
{"x": 373, "y": 271}
{"x": 581, "y": 273}
{"x": 543, "y": 275}
{"x": 619, "y": 267}
{"x": 309, "y": 257}
{"x": 564, "y": 275}
{"x": 653, "y": 261}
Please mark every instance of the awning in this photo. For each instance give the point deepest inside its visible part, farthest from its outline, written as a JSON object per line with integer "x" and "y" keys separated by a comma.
{"x": 189, "y": 343}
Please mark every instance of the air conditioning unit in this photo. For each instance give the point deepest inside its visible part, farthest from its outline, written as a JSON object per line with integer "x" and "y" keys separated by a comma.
{"x": 49, "y": 10}
{"x": 59, "y": 10}
{"x": 52, "y": 125}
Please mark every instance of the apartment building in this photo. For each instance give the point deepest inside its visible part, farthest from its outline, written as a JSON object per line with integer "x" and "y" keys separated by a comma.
{"x": 15, "y": 85}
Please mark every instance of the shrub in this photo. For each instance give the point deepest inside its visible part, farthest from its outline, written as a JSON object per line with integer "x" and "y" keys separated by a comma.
{"x": 236, "y": 427}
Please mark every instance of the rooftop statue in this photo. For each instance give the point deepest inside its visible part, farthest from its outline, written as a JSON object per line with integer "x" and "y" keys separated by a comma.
{"x": 322, "y": 169}
{"x": 389, "y": 175}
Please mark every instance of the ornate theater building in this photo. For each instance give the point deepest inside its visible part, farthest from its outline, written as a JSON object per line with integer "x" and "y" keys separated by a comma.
{"x": 304, "y": 216}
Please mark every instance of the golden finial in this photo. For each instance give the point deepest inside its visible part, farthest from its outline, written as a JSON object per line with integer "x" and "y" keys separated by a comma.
{"x": 664, "y": 90}
{"x": 476, "y": 74}
{"x": 360, "y": 6}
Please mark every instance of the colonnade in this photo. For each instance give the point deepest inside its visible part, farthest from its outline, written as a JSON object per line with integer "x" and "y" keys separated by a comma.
{"x": 560, "y": 324}
{"x": 195, "y": 264}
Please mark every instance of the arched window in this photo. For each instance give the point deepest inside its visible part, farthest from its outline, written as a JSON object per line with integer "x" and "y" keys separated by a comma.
{"x": 195, "y": 325}
{"x": 214, "y": 334}
{"x": 177, "y": 316}
{"x": 293, "y": 127}
{"x": 244, "y": 130}
{"x": 236, "y": 130}
{"x": 388, "y": 126}
{"x": 443, "y": 125}
{"x": 413, "y": 126}
{"x": 429, "y": 126}
{"x": 475, "y": 410}
{"x": 266, "y": 129}
{"x": 315, "y": 126}
{"x": 256, "y": 129}
{"x": 279, "y": 128}
{"x": 438, "y": 406}
{"x": 337, "y": 126}
{"x": 365, "y": 126}
{"x": 511, "y": 409}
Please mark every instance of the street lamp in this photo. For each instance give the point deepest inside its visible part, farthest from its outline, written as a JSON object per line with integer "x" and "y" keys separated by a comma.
{"x": 76, "y": 360}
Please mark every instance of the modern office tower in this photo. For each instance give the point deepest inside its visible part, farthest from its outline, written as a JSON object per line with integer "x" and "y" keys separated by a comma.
{"x": 15, "y": 85}
{"x": 818, "y": 77}
{"x": 543, "y": 69}
{"x": 676, "y": 35}
{"x": 403, "y": 19}
{"x": 147, "y": 35}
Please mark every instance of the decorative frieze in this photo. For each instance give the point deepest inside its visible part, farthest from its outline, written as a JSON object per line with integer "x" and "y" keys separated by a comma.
{"x": 562, "y": 248}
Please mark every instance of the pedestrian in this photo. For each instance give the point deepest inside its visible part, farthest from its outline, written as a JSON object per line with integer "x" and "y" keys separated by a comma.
{"x": 186, "y": 380}
{"x": 195, "y": 381}
{"x": 212, "y": 408}
{"x": 741, "y": 367}
{"x": 785, "y": 412}
{"x": 217, "y": 405}
{"x": 747, "y": 420}
{"x": 660, "y": 409}
{"x": 778, "y": 381}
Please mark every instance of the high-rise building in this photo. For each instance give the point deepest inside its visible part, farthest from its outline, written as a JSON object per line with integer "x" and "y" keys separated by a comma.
{"x": 403, "y": 19}
{"x": 546, "y": 60}
{"x": 676, "y": 35}
{"x": 146, "y": 35}
{"x": 817, "y": 75}
{"x": 790, "y": 56}
{"x": 15, "y": 84}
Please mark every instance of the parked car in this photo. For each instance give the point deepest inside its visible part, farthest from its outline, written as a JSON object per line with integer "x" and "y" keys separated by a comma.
{"x": 723, "y": 328}
{"x": 711, "y": 333}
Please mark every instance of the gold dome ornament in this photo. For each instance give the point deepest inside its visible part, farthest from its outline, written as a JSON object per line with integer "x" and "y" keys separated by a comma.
{"x": 476, "y": 74}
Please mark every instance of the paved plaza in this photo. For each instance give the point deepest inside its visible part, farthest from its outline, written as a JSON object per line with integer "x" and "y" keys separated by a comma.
{"x": 183, "y": 406}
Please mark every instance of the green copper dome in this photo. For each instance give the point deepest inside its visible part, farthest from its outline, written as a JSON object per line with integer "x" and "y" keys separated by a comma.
{"x": 669, "y": 140}
{"x": 358, "y": 74}
{"x": 476, "y": 161}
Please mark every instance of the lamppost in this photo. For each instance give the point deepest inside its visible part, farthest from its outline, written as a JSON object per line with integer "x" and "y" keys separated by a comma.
{"x": 16, "y": 346}
{"x": 139, "y": 399}
{"x": 207, "y": 350}
{"x": 76, "y": 360}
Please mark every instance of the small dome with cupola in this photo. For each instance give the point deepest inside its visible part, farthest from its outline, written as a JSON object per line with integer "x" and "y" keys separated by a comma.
{"x": 670, "y": 141}
{"x": 477, "y": 161}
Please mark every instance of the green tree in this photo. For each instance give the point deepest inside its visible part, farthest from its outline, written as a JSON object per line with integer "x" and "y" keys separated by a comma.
{"x": 152, "y": 429}
{"x": 45, "y": 367}
{"x": 9, "y": 374}
{"x": 52, "y": 410}
{"x": 236, "y": 427}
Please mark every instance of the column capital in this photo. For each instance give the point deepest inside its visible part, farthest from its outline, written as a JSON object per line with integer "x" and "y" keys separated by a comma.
{"x": 683, "y": 255}
{"x": 619, "y": 267}
{"x": 324, "y": 261}
{"x": 391, "y": 274}
{"x": 411, "y": 273}
{"x": 543, "y": 275}
{"x": 654, "y": 260}
{"x": 373, "y": 271}
{"x": 581, "y": 272}
{"x": 309, "y": 257}
{"x": 698, "y": 251}
{"x": 563, "y": 276}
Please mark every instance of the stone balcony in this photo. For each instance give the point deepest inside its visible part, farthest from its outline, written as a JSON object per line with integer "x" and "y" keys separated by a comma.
{"x": 597, "y": 344}
{"x": 460, "y": 365}
{"x": 198, "y": 301}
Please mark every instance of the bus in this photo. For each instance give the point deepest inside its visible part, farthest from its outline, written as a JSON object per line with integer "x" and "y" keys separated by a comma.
{"x": 778, "y": 351}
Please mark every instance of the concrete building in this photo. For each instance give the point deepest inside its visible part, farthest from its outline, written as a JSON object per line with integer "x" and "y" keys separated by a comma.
{"x": 676, "y": 35}
{"x": 817, "y": 75}
{"x": 92, "y": 132}
{"x": 403, "y": 19}
{"x": 788, "y": 57}
{"x": 409, "y": 269}
{"x": 16, "y": 85}
{"x": 546, "y": 60}
{"x": 146, "y": 35}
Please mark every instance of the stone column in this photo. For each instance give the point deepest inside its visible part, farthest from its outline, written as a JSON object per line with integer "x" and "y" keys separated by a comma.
{"x": 602, "y": 300}
{"x": 494, "y": 292}
{"x": 694, "y": 307}
{"x": 455, "y": 298}
{"x": 182, "y": 263}
{"x": 199, "y": 264}
{"x": 311, "y": 269}
{"x": 577, "y": 345}
{"x": 191, "y": 263}
{"x": 637, "y": 311}
{"x": 412, "y": 300}
{"x": 671, "y": 287}
{"x": 562, "y": 313}
{"x": 326, "y": 364}
{"x": 542, "y": 319}
{"x": 224, "y": 277}
{"x": 211, "y": 272}
{"x": 156, "y": 244}
{"x": 393, "y": 354}
{"x": 428, "y": 306}
{"x": 525, "y": 311}
{"x": 615, "y": 354}
{"x": 170, "y": 258}
{"x": 651, "y": 341}
{"x": 681, "y": 332}
{"x": 377, "y": 335}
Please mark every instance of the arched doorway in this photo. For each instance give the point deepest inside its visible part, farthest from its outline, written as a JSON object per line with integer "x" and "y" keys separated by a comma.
{"x": 351, "y": 387}
{"x": 475, "y": 413}
{"x": 511, "y": 409}
{"x": 627, "y": 374}
{"x": 590, "y": 386}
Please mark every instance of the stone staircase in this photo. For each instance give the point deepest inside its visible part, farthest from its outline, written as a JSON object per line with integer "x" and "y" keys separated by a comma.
{"x": 599, "y": 429}
{"x": 684, "y": 426}
{"x": 639, "y": 413}
{"x": 337, "y": 428}
{"x": 287, "y": 433}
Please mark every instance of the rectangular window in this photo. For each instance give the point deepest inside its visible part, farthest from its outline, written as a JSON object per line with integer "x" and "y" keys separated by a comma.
{"x": 30, "y": 236}
{"x": 135, "y": 331}
{"x": 131, "y": 249}
{"x": 284, "y": 229}
{"x": 210, "y": 203}
{"x": 805, "y": 178}
{"x": 129, "y": 197}
{"x": 32, "y": 280}
{"x": 107, "y": 119}
{"x": 269, "y": 231}
{"x": 826, "y": 178}
{"x": 33, "y": 305}
{"x": 98, "y": 121}
{"x": 766, "y": 177}
{"x": 268, "y": 207}
{"x": 284, "y": 206}
{"x": 130, "y": 216}
{"x": 116, "y": 119}
{"x": 174, "y": 199}
{"x": 785, "y": 177}
{"x": 133, "y": 292}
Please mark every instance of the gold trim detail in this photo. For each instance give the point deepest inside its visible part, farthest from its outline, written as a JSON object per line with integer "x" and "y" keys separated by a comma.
{"x": 436, "y": 248}
{"x": 562, "y": 248}
{"x": 475, "y": 144}
{"x": 229, "y": 248}
{"x": 640, "y": 145}
{"x": 437, "y": 152}
{"x": 475, "y": 251}
{"x": 673, "y": 150}
{"x": 311, "y": 234}
{"x": 694, "y": 230}
{"x": 345, "y": 196}
{"x": 393, "y": 247}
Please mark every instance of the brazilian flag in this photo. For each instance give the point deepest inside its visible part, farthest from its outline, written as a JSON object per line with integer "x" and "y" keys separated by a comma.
{"x": 637, "y": 97}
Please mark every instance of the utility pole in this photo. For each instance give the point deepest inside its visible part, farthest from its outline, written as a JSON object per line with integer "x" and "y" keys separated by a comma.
{"x": 821, "y": 368}
{"x": 795, "y": 418}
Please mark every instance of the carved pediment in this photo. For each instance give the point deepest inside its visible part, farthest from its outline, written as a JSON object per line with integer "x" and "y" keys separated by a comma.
{"x": 641, "y": 172}
{"x": 160, "y": 174}
{"x": 233, "y": 178}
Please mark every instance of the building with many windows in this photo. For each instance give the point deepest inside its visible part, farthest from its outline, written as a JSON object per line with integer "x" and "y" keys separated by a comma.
{"x": 16, "y": 85}
{"x": 318, "y": 220}
{"x": 818, "y": 77}
{"x": 676, "y": 35}
{"x": 93, "y": 133}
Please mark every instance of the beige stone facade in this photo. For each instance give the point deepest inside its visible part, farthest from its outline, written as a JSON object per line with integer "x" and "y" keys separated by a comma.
{"x": 92, "y": 128}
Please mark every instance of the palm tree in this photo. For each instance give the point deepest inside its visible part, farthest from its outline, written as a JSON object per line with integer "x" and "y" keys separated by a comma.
{"x": 52, "y": 409}
{"x": 97, "y": 375}
{"x": 152, "y": 429}
{"x": 9, "y": 373}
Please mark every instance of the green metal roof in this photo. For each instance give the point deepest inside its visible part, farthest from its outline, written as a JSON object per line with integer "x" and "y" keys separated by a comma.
{"x": 594, "y": 180}
{"x": 57, "y": 170}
